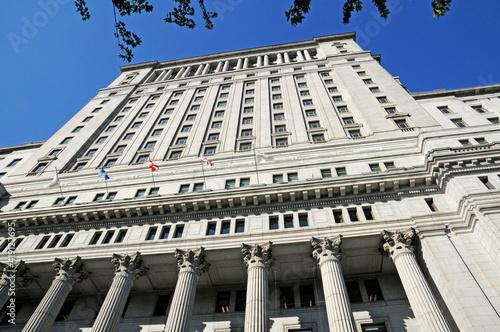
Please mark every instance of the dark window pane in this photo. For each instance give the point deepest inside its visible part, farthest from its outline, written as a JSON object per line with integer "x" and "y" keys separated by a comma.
{"x": 307, "y": 296}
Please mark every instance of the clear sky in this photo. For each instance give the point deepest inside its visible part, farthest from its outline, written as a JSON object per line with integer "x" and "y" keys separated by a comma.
{"x": 53, "y": 63}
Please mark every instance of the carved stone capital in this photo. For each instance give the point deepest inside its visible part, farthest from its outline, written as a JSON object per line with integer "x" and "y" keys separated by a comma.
{"x": 72, "y": 271}
{"x": 23, "y": 275}
{"x": 258, "y": 255}
{"x": 326, "y": 249}
{"x": 191, "y": 260}
{"x": 129, "y": 266}
{"x": 398, "y": 242}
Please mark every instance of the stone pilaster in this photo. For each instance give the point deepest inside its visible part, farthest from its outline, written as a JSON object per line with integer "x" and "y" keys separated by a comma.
{"x": 258, "y": 258}
{"x": 20, "y": 275}
{"x": 127, "y": 268}
{"x": 400, "y": 247}
{"x": 68, "y": 272}
{"x": 191, "y": 264}
{"x": 338, "y": 307}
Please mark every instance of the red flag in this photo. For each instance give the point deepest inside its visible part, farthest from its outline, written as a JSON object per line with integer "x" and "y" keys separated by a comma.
{"x": 153, "y": 167}
{"x": 206, "y": 160}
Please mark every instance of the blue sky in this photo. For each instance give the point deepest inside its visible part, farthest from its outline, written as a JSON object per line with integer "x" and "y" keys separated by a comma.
{"x": 53, "y": 69}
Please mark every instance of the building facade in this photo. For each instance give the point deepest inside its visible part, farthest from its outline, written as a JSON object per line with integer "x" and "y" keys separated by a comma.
{"x": 300, "y": 187}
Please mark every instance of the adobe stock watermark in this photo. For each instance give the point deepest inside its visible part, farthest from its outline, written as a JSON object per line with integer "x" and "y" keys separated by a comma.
{"x": 374, "y": 27}
{"x": 8, "y": 275}
{"x": 31, "y": 25}
{"x": 487, "y": 80}
{"x": 223, "y": 6}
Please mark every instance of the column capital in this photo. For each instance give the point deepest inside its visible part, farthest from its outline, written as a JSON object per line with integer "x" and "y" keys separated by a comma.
{"x": 258, "y": 255}
{"x": 398, "y": 242}
{"x": 72, "y": 271}
{"x": 191, "y": 260}
{"x": 23, "y": 275}
{"x": 326, "y": 249}
{"x": 129, "y": 266}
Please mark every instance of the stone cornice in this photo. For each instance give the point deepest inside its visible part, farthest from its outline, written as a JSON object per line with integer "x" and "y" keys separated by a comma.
{"x": 466, "y": 92}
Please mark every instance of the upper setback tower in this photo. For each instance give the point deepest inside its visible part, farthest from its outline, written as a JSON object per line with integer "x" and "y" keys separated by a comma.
{"x": 337, "y": 200}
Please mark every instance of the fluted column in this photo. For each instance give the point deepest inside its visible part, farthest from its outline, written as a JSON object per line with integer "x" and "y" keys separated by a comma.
{"x": 127, "y": 268}
{"x": 246, "y": 63}
{"x": 206, "y": 69}
{"x": 400, "y": 246}
{"x": 68, "y": 272}
{"x": 258, "y": 258}
{"x": 219, "y": 66}
{"x": 191, "y": 264}
{"x": 239, "y": 64}
{"x": 299, "y": 57}
{"x": 19, "y": 275}
{"x": 307, "y": 55}
{"x": 279, "y": 58}
{"x": 259, "y": 60}
{"x": 286, "y": 57}
{"x": 338, "y": 307}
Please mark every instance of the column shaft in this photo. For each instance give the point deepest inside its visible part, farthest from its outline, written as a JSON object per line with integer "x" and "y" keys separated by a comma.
{"x": 338, "y": 307}
{"x": 45, "y": 314}
{"x": 111, "y": 310}
{"x": 257, "y": 299}
{"x": 179, "y": 315}
{"x": 4, "y": 291}
{"x": 422, "y": 301}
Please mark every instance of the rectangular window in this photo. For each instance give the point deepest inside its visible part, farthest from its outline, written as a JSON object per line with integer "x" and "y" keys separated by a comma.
{"x": 292, "y": 177}
{"x": 479, "y": 109}
{"x": 391, "y": 110}
{"x": 287, "y": 298}
{"x": 430, "y": 203}
{"x": 247, "y": 120}
{"x": 245, "y": 146}
{"x": 161, "y": 305}
{"x": 279, "y": 116}
{"x": 375, "y": 167}
{"x": 128, "y": 136}
{"x": 143, "y": 115}
{"x": 465, "y": 142}
{"x": 108, "y": 237}
{"x": 248, "y": 100}
{"x": 71, "y": 200}
{"x": 311, "y": 113}
{"x": 278, "y": 178}
{"x": 223, "y": 95}
{"x": 111, "y": 196}
{"x": 373, "y": 290}
{"x": 378, "y": 327}
{"x": 382, "y": 100}
{"x": 184, "y": 188}
{"x": 333, "y": 89}
{"x": 209, "y": 151}
{"x": 302, "y": 85}
{"x": 341, "y": 171}
{"x": 211, "y": 228}
{"x": 337, "y": 99}
{"x": 348, "y": 121}
{"x": 343, "y": 109}
{"x": 276, "y": 88}
{"x": 277, "y": 106}
{"x": 367, "y": 211}
{"x": 217, "y": 124}
{"x": 219, "y": 114}
{"x": 249, "y": 92}
{"x": 361, "y": 73}
{"x": 67, "y": 240}
{"x": 181, "y": 141}
{"x": 240, "y": 226}
{"x": 100, "y": 140}
{"x": 98, "y": 197}
{"x": 280, "y": 129}
{"x": 368, "y": 81}
{"x": 337, "y": 216}
{"x": 150, "y": 145}
{"x": 444, "y": 109}
{"x": 198, "y": 187}
{"x": 306, "y": 293}
{"x": 213, "y": 137}
{"x": 175, "y": 154}
{"x": 481, "y": 140}
{"x": 230, "y": 184}
{"x": 87, "y": 119}
{"x": 288, "y": 221}
{"x": 248, "y": 110}
{"x": 91, "y": 153}
{"x": 121, "y": 236}
{"x": 32, "y": 204}
{"x": 401, "y": 124}
{"x": 353, "y": 214}
{"x": 241, "y": 299}
{"x": 151, "y": 234}
{"x": 154, "y": 191}
{"x": 156, "y": 132}
{"x": 20, "y": 205}
{"x": 493, "y": 120}
{"x": 222, "y": 302}
{"x": 326, "y": 173}
{"x": 389, "y": 165}
{"x": 303, "y": 220}
{"x": 66, "y": 140}
{"x": 314, "y": 124}
{"x": 487, "y": 182}
{"x": 178, "y": 231}
{"x": 43, "y": 242}
{"x": 109, "y": 163}
{"x": 226, "y": 227}
{"x": 77, "y": 129}
{"x": 59, "y": 201}
{"x": 244, "y": 182}
{"x": 95, "y": 238}
{"x": 459, "y": 123}
{"x": 140, "y": 193}
{"x": 374, "y": 90}
{"x": 96, "y": 110}
{"x": 165, "y": 231}
{"x": 307, "y": 102}
{"x": 246, "y": 132}
{"x": 353, "y": 291}
{"x": 187, "y": 129}
{"x": 195, "y": 107}
{"x": 355, "y": 133}
{"x": 191, "y": 117}
{"x": 273, "y": 222}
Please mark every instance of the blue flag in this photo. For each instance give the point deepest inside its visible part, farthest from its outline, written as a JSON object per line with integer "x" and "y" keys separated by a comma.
{"x": 103, "y": 172}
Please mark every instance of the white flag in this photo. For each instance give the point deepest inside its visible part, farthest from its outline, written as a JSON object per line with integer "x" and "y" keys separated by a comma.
{"x": 263, "y": 158}
{"x": 55, "y": 181}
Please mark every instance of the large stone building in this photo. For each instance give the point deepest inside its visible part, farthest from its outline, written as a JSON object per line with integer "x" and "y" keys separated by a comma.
{"x": 315, "y": 149}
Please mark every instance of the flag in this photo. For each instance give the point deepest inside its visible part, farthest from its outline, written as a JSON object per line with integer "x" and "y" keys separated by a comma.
{"x": 54, "y": 182}
{"x": 153, "y": 167}
{"x": 103, "y": 172}
{"x": 206, "y": 160}
{"x": 263, "y": 158}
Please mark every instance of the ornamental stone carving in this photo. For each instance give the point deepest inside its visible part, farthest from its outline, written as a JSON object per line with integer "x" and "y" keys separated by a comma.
{"x": 258, "y": 255}
{"x": 127, "y": 265}
{"x": 398, "y": 242}
{"x": 72, "y": 271}
{"x": 191, "y": 260}
{"x": 326, "y": 249}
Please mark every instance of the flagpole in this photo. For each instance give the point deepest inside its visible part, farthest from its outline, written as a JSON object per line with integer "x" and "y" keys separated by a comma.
{"x": 106, "y": 184}
{"x": 154, "y": 184}
{"x": 59, "y": 184}
{"x": 255, "y": 159}
{"x": 203, "y": 172}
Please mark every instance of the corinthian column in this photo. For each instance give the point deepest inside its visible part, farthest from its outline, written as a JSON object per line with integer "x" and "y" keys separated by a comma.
{"x": 258, "y": 258}
{"x": 338, "y": 307}
{"x": 68, "y": 272}
{"x": 127, "y": 268}
{"x": 400, "y": 247}
{"x": 191, "y": 264}
{"x": 20, "y": 275}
